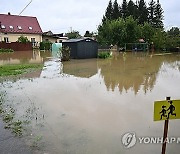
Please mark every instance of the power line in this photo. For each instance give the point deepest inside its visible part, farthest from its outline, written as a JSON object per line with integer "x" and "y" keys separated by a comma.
{"x": 25, "y": 7}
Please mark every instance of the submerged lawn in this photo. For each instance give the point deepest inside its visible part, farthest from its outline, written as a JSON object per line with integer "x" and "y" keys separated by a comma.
{"x": 7, "y": 70}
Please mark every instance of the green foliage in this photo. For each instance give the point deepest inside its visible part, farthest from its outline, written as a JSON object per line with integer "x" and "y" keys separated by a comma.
{"x": 151, "y": 9}
{"x": 152, "y": 13}
{"x": 174, "y": 32}
{"x": 147, "y": 32}
{"x": 6, "y": 50}
{"x": 124, "y": 9}
{"x": 132, "y": 30}
{"x": 115, "y": 11}
{"x": 104, "y": 54}
{"x": 159, "y": 39}
{"x": 158, "y": 16}
{"x": 23, "y": 39}
{"x": 109, "y": 12}
{"x": 118, "y": 32}
{"x": 142, "y": 12}
{"x": 173, "y": 38}
{"x": 131, "y": 9}
{"x": 88, "y": 34}
{"x": 45, "y": 45}
{"x": 135, "y": 21}
{"x": 73, "y": 35}
{"x": 65, "y": 53}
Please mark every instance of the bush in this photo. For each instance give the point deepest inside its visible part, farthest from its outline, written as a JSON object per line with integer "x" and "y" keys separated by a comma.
{"x": 104, "y": 55}
{"x": 45, "y": 45}
{"x": 23, "y": 39}
{"x": 6, "y": 50}
{"x": 65, "y": 53}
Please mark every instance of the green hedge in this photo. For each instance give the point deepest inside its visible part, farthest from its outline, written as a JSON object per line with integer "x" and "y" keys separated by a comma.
{"x": 45, "y": 45}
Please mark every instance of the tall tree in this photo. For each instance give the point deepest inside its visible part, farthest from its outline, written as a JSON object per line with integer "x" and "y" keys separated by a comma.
{"x": 143, "y": 12}
{"x": 151, "y": 9}
{"x": 72, "y": 35}
{"x": 88, "y": 34}
{"x": 124, "y": 9}
{"x": 132, "y": 30}
{"x": 136, "y": 11}
{"x": 131, "y": 9}
{"x": 158, "y": 15}
{"x": 174, "y": 32}
{"x": 109, "y": 11}
{"x": 116, "y": 11}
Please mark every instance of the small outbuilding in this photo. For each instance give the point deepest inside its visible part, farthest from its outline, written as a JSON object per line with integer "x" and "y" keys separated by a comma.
{"x": 82, "y": 48}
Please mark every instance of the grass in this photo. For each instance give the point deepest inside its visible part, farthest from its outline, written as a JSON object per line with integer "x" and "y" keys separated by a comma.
{"x": 8, "y": 70}
{"x": 8, "y": 113}
{"x": 6, "y": 50}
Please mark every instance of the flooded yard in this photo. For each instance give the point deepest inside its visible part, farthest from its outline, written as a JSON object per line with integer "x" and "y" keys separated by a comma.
{"x": 86, "y": 106}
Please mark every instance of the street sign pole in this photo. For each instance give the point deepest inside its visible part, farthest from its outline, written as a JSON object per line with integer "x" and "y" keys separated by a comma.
{"x": 166, "y": 124}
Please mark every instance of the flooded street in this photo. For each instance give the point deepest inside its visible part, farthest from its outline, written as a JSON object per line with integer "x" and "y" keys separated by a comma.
{"x": 86, "y": 106}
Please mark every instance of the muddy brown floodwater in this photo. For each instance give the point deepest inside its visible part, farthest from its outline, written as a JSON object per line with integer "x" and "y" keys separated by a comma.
{"x": 86, "y": 106}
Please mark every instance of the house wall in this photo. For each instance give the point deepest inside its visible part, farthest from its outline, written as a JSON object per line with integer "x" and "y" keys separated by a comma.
{"x": 51, "y": 39}
{"x": 14, "y": 37}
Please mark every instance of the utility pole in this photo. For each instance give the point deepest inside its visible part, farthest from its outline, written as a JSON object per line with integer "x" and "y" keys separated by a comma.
{"x": 71, "y": 29}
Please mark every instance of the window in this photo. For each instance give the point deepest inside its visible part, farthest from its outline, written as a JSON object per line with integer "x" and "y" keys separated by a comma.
{"x": 6, "y": 39}
{"x": 3, "y": 27}
{"x": 33, "y": 40}
{"x": 19, "y": 27}
{"x": 11, "y": 27}
{"x": 30, "y": 28}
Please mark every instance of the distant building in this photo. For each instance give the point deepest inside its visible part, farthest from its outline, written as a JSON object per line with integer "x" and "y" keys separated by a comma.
{"x": 53, "y": 38}
{"x": 14, "y": 26}
{"x": 82, "y": 48}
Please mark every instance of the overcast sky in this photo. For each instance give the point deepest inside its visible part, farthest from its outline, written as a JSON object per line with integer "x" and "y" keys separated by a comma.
{"x": 59, "y": 15}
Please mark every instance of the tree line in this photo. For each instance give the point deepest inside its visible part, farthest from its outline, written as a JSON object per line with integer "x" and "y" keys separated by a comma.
{"x": 140, "y": 11}
{"x": 128, "y": 22}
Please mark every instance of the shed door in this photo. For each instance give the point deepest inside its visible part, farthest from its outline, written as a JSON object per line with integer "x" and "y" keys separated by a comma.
{"x": 87, "y": 49}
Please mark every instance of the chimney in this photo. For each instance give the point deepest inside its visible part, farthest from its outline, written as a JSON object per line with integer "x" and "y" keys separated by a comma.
{"x": 9, "y": 13}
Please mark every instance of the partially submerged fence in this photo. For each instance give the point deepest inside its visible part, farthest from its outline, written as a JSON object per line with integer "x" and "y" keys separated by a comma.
{"x": 16, "y": 46}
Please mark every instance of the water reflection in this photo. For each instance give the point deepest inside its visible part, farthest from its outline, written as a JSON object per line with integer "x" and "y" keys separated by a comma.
{"x": 124, "y": 71}
{"x": 81, "y": 68}
{"x": 131, "y": 71}
{"x": 20, "y": 57}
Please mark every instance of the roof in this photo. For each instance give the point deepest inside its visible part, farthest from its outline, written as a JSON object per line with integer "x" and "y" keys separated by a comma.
{"x": 50, "y": 34}
{"x": 77, "y": 40}
{"x": 19, "y": 24}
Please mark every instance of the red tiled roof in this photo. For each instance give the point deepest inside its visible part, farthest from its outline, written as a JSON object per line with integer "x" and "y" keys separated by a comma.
{"x": 24, "y": 21}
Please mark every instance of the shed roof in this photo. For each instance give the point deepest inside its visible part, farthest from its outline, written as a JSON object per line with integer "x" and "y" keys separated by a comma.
{"x": 19, "y": 24}
{"x": 77, "y": 40}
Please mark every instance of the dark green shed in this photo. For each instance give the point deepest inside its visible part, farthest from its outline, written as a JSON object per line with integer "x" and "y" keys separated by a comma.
{"x": 82, "y": 48}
